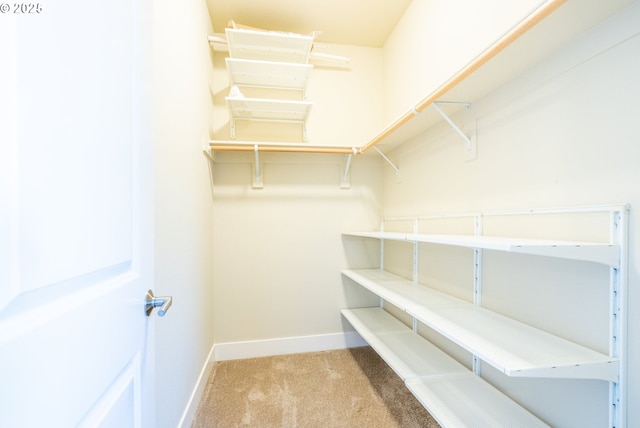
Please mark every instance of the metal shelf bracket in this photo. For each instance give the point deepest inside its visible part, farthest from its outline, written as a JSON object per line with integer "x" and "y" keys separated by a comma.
{"x": 455, "y": 127}
{"x": 388, "y": 160}
{"x": 206, "y": 150}
{"x": 345, "y": 182}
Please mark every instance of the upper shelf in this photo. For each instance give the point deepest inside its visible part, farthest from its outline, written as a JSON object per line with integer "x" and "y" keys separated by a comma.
{"x": 605, "y": 253}
{"x": 280, "y": 75}
{"x": 268, "y": 109}
{"x": 544, "y": 31}
{"x": 272, "y": 110}
{"x": 269, "y": 45}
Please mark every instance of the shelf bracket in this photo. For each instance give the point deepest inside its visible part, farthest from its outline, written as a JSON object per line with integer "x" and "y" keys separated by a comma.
{"x": 387, "y": 159}
{"x": 206, "y": 150}
{"x": 210, "y": 155}
{"x": 455, "y": 127}
{"x": 345, "y": 183}
{"x": 258, "y": 183}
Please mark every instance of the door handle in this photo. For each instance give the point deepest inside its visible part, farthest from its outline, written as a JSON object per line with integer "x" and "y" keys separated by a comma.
{"x": 151, "y": 301}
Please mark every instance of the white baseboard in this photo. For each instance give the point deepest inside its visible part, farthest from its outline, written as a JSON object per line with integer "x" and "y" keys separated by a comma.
{"x": 194, "y": 400}
{"x": 286, "y": 345}
{"x": 264, "y": 348}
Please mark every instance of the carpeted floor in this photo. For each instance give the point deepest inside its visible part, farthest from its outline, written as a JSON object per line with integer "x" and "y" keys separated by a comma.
{"x": 330, "y": 389}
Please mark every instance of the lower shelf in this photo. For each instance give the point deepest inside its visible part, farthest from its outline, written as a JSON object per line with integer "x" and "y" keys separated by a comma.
{"x": 451, "y": 393}
{"x": 269, "y": 110}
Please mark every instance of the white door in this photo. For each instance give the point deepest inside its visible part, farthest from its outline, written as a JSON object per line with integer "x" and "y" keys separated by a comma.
{"x": 75, "y": 214}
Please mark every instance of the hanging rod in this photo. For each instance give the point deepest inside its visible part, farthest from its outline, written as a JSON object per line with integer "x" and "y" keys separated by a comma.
{"x": 538, "y": 15}
{"x": 225, "y": 146}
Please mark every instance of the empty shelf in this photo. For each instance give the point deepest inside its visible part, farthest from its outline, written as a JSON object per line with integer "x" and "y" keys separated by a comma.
{"x": 605, "y": 253}
{"x": 404, "y": 294}
{"x": 268, "y": 109}
{"x": 407, "y": 353}
{"x": 469, "y": 401}
{"x": 510, "y": 346}
{"x": 451, "y": 393}
{"x": 269, "y": 45}
{"x": 281, "y": 75}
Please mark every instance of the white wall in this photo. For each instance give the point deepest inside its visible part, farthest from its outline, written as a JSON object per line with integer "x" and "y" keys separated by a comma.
{"x": 562, "y": 134}
{"x": 278, "y": 250}
{"x": 183, "y": 204}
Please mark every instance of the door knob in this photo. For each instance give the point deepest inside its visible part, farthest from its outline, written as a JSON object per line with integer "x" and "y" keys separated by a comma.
{"x": 151, "y": 301}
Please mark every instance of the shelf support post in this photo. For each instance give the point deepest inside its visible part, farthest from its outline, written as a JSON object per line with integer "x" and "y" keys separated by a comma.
{"x": 477, "y": 281}
{"x": 455, "y": 127}
{"x": 618, "y": 318}
{"x": 208, "y": 153}
{"x": 416, "y": 251}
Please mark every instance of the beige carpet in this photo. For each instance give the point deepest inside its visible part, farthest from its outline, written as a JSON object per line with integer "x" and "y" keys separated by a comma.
{"x": 343, "y": 388}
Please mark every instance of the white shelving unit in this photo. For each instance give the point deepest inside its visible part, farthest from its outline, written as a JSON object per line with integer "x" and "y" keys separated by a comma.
{"x": 268, "y": 59}
{"x": 268, "y": 110}
{"x": 512, "y": 347}
{"x": 451, "y": 393}
{"x": 268, "y": 74}
{"x": 455, "y": 395}
{"x": 269, "y": 45}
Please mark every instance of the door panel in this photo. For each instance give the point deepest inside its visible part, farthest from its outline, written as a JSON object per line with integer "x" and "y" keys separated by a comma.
{"x": 75, "y": 252}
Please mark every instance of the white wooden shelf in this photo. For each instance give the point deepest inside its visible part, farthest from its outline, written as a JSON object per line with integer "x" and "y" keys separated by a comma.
{"x": 514, "y": 348}
{"x": 605, "y": 253}
{"x": 272, "y": 110}
{"x": 269, "y": 45}
{"x": 407, "y": 353}
{"x": 268, "y": 74}
{"x": 450, "y": 392}
{"x": 268, "y": 59}
{"x": 469, "y": 401}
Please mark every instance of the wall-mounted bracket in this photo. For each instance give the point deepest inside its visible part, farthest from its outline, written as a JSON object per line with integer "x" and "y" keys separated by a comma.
{"x": 345, "y": 182}
{"x": 467, "y": 140}
{"x": 206, "y": 150}
{"x": 388, "y": 160}
{"x": 258, "y": 182}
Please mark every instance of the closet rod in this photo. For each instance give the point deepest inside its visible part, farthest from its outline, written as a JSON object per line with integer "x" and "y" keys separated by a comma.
{"x": 284, "y": 148}
{"x": 542, "y": 12}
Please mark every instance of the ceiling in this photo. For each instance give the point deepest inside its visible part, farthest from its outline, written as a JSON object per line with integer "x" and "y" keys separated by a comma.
{"x": 349, "y": 22}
